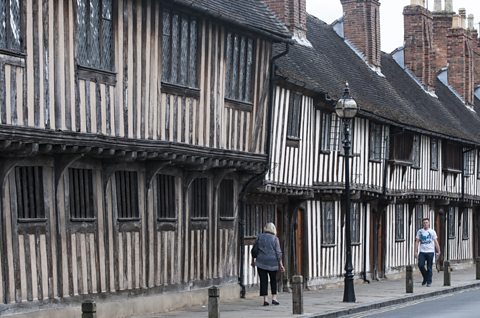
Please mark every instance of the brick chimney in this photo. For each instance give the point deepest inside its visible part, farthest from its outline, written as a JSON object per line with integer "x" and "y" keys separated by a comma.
{"x": 361, "y": 26}
{"x": 293, "y": 13}
{"x": 418, "y": 39}
{"x": 460, "y": 59}
{"x": 442, "y": 22}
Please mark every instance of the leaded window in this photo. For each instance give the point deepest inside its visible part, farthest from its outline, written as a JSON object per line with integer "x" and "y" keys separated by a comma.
{"x": 399, "y": 222}
{"x": 225, "y": 199}
{"x": 199, "y": 199}
{"x": 126, "y": 187}
{"x": 416, "y": 151}
{"x": 180, "y": 49}
{"x": 418, "y": 217}
{"x": 328, "y": 223}
{"x": 434, "y": 154}
{"x": 81, "y": 194}
{"x": 239, "y": 72}
{"x": 325, "y": 131}
{"x": 294, "y": 115}
{"x": 30, "y": 193}
{"x": 451, "y": 222}
{"x": 452, "y": 157}
{"x": 469, "y": 162}
{"x": 355, "y": 223}
{"x": 94, "y": 31}
{"x": 375, "y": 149}
{"x": 166, "y": 198}
{"x": 10, "y": 25}
{"x": 465, "y": 233}
{"x": 401, "y": 145}
{"x": 256, "y": 216}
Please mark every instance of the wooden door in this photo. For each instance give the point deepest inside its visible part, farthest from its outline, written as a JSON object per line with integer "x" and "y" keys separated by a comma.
{"x": 377, "y": 249}
{"x": 299, "y": 247}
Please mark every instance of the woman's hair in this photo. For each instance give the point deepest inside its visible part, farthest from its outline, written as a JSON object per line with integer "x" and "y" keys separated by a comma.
{"x": 270, "y": 228}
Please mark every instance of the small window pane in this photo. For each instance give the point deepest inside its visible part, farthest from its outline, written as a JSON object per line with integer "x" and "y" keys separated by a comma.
{"x": 375, "y": 150}
{"x": 30, "y": 193}
{"x": 418, "y": 217}
{"x": 355, "y": 222}
{"x": 399, "y": 222}
{"x": 294, "y": 115}
{"x": 328, "y": 223}
{"x": 256, "y": 216}
{"x": 81, "y": 194}
{"x": 179, "y": 49}
{"x": 451, "y": 222}
{"x": 465, "y": 230}
{"x": 434, "y": 154}
{"x": 127, "y": 194}
{"x": 325, "y": 131}
{"x": 10, "y": 22}
{"x": 166, "y": 204}
{"x": 225, "y": 199}
{"x": 94, "y": 33}
{"x": 199, "y": 198}
{"x": 239, "y": 58}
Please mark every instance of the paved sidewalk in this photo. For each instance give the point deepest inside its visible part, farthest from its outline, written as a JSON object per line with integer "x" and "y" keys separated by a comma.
{"x": 328, "y": 302}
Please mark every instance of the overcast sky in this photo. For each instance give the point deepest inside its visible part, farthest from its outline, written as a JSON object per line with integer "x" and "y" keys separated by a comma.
{"x": 391, "y": 17}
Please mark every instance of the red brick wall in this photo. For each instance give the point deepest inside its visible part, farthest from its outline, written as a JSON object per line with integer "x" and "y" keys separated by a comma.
{"x": 460, "y": 59}
{"x": 442, "y": 22}
{"x": 291, "y": 12}
{"x": 418, "y": 36}
{"x": 362, "y": 27}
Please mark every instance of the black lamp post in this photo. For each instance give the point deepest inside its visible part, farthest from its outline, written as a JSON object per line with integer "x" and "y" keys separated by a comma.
{"x": 346, "y": 108}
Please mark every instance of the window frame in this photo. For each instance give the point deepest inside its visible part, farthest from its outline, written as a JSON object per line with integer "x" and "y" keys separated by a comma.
{"x": 451, "y": 222}
{"x": 223, "y": 201}
{"x": 465, "y": 225}
{"x": 399, "y": 222}
{"x": 452, "y": 157}
{"x": 162, "y": 211}
{"x": 175, "y": 83}
{"x": 22, "y": 176}
{"x": 416, "y": 151}
{"x": 134, "y": 215}
{"x": 248, "y": 69}
{"x": 401, "y": 145}
{"x": 375, "y": 142}
{"x": 328, "y": 223}
{"x": 294, "y": 117}
{"x": 434, "y": 154}
{"x": 86, "y": 66}
{"x": 418, "y": 217}
{"x": 199, "y": 209}
{"x": 355, "y": 223}
{"x": 469, "y": 162}
{"x": 10, "y": 48}
{"x": 87, "y": 215}
{"x": 326, "y": 132}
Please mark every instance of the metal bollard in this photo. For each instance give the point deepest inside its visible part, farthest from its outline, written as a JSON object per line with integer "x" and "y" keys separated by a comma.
{"x": 477, "y": 261}
{"x": 446, "y": 273}
{"x": 89, "y": 309}
{"x": 297, "y": 294}
{"x": 409, "y": 279}
{"x": 213, "y": 299}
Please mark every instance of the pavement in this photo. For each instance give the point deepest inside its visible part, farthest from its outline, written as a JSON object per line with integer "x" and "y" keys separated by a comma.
{"x": 327, "y": 302}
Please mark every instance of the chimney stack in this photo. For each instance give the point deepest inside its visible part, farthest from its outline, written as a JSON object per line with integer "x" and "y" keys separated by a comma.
{"x": 442, "y": 22}
{"x": 470, "y": 21}
{"x": 361, "y": 26}
{"x": 293, "y": 13}
{"x": 448, "y": 6}
{"x": 418, "y": 39}
{"x": 437, "y": 6}
{"x": 460, "y": 61}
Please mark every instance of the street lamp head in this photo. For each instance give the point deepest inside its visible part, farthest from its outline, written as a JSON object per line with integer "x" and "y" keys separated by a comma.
{"x": 346, "y": 106}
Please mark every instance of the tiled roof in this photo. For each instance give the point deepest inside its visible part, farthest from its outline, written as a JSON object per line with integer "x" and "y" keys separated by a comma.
{"x": 395, "y": 98}
{"x": 250, "y": 14}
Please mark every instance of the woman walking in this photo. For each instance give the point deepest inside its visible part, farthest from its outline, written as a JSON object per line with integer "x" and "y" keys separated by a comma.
{"x": 268, "y": 260}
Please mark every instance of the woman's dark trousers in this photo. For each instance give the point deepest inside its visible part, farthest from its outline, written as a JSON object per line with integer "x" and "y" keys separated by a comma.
{"x": 426, "y": 273}
{"x": 264, "y": 274}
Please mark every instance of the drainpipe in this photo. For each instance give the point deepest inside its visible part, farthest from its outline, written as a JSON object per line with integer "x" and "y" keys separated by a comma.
{"x": 259, "y": 176}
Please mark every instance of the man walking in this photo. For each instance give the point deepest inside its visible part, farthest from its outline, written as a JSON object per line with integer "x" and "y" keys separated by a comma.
{"x": 427, "y": 239}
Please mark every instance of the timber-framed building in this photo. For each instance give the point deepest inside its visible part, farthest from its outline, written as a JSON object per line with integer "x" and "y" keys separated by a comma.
{"x": 128, "y": 131}
{"x": 415, "y": 141}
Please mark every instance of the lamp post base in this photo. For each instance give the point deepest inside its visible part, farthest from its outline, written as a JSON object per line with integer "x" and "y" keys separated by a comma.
{"x": 348, "y": 291}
